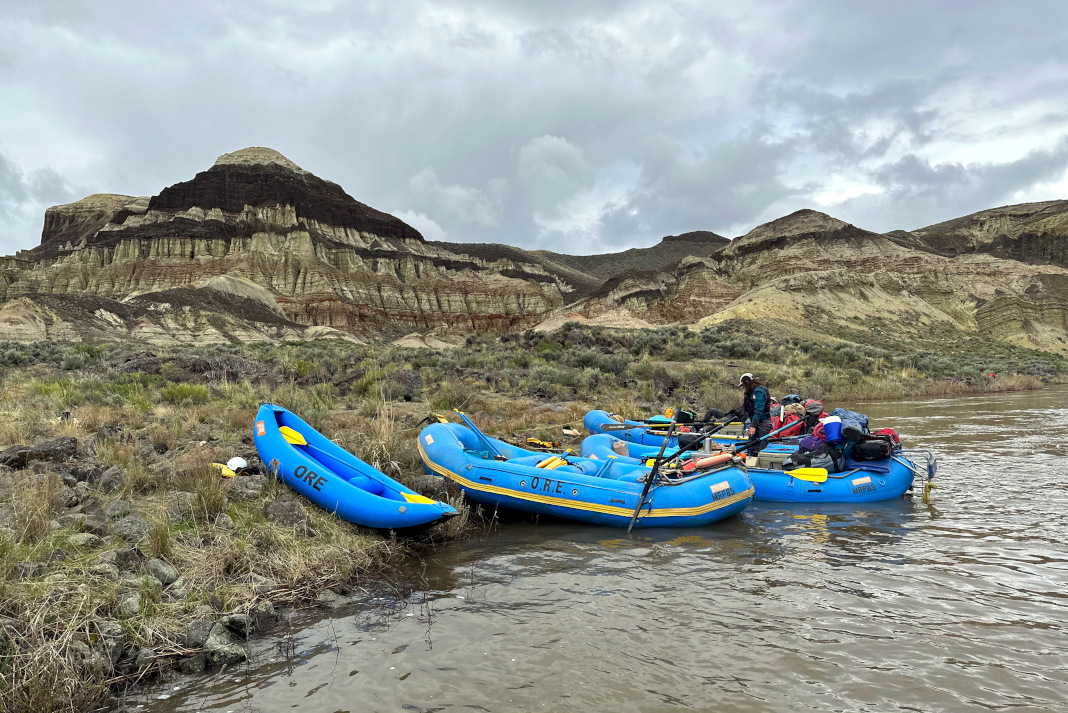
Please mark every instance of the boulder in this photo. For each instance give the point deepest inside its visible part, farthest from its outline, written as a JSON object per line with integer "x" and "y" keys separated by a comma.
{"x": 82, "y": 492}
{"x": 164, "y": 572}
{"x": 193, "y": 664}
{"x": 128, "y": 557}
{"x": 7, "y": 516}
{"x": 240, "y": 624}
{"x": 117, "y": 509}
{"x": 288, "y": 512}
{"x": 129, "y": 606}
{"x": 107, "y": 570}
{"x": 221, "y": 647}
{"x": 181, "y": 505}
{"x": 331, "y": 599}
{"x": 132, "y": 528}
{"x": 264, "y": 616}
{"x": 246, "y": 487}
{"x": 177, "y": 591}
{"x": 195, "y": 634}
{"x": 112, "y": 479}
{"x": 70, "y": 520}
{"x": 145, "y": 658}
{"x": 29, "y": 570}
{"x": 406, "y": 384}
{"x": 224, "y": 522}
{"x": 263, "y": 586}
{"x": 88, "y": 473}
{"x": 112, "y": 638}
{"x": 96, "y": 524}
{"x": 84, "y": 540}
{"x": 58, "y": 451}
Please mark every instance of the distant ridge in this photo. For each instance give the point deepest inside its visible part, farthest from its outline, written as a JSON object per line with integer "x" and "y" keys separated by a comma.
{"x": 257, "y": 248}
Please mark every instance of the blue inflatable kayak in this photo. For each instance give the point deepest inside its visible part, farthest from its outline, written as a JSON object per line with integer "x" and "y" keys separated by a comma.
{"x": 648, "y": 433}
{"x": 338, "y": 481}
{"x": 602, "y": 490}
{"x": 865, "y": 481}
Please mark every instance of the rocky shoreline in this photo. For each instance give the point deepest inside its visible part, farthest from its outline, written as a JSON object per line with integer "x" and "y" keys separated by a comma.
{"x": 117, "y": 587}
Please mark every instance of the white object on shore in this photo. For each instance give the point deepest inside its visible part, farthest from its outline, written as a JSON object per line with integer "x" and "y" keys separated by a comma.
{"x": 236, "y": 463}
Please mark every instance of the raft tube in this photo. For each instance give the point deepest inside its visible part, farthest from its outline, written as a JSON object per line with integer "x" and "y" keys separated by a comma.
{"x": 338, "y": 481}
{"x": 602, "y": 491}
{"x": 861, "y": 482}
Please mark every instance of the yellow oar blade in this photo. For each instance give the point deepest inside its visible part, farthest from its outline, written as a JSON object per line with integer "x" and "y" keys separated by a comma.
{"x": 413, "y": 498}
{"x": 292, "y": 436}
{"x": 814, "y": 475}
{"x": 223, "y": 470}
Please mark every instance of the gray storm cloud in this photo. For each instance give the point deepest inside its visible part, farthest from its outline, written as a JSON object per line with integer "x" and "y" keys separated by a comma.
{"x": 578, "y": 126}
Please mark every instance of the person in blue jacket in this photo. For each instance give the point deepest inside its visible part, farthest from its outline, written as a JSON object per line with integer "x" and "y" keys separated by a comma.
{"x": 757, "y": 407}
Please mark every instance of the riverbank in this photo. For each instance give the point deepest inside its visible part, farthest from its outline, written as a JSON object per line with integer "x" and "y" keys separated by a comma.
{"x": 124, "y": 555}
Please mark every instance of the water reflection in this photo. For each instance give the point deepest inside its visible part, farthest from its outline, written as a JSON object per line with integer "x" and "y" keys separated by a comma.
{"x": 953, "y": 606}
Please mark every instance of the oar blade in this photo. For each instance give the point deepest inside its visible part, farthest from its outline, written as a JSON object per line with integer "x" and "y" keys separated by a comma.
{"x": 813, "y": 475}
{"x": 292, "y": 437}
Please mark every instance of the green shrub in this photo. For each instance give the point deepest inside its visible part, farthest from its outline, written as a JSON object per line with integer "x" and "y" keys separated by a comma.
{"x": 185, "y": 394}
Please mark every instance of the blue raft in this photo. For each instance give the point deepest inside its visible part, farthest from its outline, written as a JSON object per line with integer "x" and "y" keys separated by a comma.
{"x": 338, "y": 481}
{"x": 652, "y": 434}
{"x": 602, "y": 490}
{"x": 862, "y": 482}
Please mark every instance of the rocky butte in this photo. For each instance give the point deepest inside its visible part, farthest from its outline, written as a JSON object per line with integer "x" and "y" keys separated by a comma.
{"x": 256, "y": 248}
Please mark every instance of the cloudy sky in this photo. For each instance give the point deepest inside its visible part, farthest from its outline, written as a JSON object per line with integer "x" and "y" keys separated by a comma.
{"x": 574, "y": 125}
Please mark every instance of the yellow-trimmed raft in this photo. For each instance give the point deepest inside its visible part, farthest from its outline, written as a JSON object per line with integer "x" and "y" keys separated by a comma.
{"x": 599, "y": 491}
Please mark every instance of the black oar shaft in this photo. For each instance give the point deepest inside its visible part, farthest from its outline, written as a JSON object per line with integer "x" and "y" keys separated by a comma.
{"x": 652, "y": 475}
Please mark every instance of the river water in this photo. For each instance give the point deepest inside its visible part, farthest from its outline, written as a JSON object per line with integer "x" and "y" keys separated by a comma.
{"x": 957, "y": 605}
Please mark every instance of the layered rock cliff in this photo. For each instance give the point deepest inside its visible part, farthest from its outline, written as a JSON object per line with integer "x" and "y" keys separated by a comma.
{"x": 257, "y": 248}
{"x": 327, "y": 259}
{"x": 829, "y": 277}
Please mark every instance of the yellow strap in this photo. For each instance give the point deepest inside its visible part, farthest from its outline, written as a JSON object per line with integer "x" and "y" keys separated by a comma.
{"x": 440, "y": 418}
{"x": 551, "y": 463}
{"x": 415, "y": 498}
{"x": 292, "y": 436}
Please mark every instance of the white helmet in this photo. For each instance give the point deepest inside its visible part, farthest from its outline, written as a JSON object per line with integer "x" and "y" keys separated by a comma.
{"x": 745, "y": 377}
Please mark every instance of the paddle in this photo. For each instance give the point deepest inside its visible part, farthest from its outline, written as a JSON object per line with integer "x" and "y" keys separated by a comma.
{"x": 483, "y": 436}
{"x": 652, "y": 474}
{"x": 296, "y": 438}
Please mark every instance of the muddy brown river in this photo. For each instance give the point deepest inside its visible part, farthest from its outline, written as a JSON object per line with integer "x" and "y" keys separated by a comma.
{"x": 959, "y": 605}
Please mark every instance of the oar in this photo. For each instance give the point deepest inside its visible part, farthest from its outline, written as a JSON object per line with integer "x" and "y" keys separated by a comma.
{"x": 483, "y": 436}
{"x": 652, "y": 474}
{"x": 714, "y": 429}
{"x": 607, "y": 427}
{"x": 750, "y": 444}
